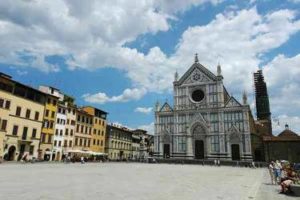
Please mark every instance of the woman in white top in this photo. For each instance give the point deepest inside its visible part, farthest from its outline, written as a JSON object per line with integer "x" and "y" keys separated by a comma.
{"x": 272, "y": 173}
{"x": 277, "y": 168}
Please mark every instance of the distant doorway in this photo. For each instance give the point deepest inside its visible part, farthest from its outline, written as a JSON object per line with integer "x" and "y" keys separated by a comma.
{"x": 199, "y": 149}
{"x": 47, "y": 155}
{"x": 58, "y": 156}
{"x": 235, "y": 152}
{"x": 257, "y": 155}
{"x": 11, "y": 153}
{"x": 121, "y": 155}
{"x": 166, "y": 151}
{"x": 53, "y": 157}
{"x": 22, "y": 150}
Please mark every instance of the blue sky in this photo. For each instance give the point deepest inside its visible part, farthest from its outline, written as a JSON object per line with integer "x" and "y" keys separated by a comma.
{"x": 121, "y": 57}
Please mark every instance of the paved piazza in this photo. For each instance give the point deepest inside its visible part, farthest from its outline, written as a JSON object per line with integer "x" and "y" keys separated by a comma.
{"x": 134, "y": 181}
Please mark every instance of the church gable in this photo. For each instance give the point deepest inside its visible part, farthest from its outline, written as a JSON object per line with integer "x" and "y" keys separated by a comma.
{"x": 232, "y": 102}
{"x": 234, "y": 136}
{"x": 166, "y": 108}
{"x": 197, "y": 74}
{"x": 198, "y": 118}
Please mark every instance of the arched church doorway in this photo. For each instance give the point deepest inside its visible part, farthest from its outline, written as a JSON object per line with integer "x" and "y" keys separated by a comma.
{"x": 11, "y": 153}
{"x": 199, "y": 149}
{"x": 235, "y": 152}
{"x": 166, "y": 150}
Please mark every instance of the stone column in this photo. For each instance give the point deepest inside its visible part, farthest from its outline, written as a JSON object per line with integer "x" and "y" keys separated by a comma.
{"x": 189, "y": 148}
{"x": 161, "y": 147}
{"x": 189, "y": 144}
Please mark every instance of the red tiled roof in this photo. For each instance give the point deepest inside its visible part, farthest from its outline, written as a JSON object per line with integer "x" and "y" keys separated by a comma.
{"x": 285, "y": 136}
{"x": 288, "y": 133}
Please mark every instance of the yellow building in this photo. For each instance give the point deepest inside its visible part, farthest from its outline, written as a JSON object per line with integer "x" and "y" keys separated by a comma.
{"x": 118, "y": 144}
{"x": 47, "y": 135}
{"x": 99, "y": 129}
{"x": 22, "y": 110}
{"x": 83, "y": 132}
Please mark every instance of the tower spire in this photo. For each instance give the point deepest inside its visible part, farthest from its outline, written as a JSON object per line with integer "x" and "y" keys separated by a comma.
{"x": 245, "y": 99}
{"x": 219, "y": 70}
{"x": 196, "y": 58}
{"x": 176, "y": 76}
{"x": 157, "y": 106}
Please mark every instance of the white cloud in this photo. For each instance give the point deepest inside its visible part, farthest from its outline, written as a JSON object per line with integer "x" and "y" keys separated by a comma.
{"x": 148, "y": 127}
{"x": 82, "y": 29}
{"x": 127, "y": 95}
{"x": 180, "y": 6}
{"x": 294, "y": 1}
{"x": 144, "y": 110}
{"x": 280, "y": 122}
{"x": 237, "y": 40}
{"x": 282, "y": 77}
{"x": 92, "y": 34}
{"x": 22, "y": 73}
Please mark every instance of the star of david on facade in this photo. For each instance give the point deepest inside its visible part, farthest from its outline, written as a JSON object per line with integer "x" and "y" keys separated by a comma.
{"x": 196, "y": 76}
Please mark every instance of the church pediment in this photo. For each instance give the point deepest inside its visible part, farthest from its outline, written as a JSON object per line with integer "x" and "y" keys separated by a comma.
{"x": 234, "y": 135}
{"x": 197, "y": 74}
{"x": 233, "y": 129}
{"x": 232, "y": 102}
{"x": 198, "y": 119}
{"x": 166, "y": 108}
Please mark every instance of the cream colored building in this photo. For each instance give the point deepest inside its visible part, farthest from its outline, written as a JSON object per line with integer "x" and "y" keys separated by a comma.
{"x": 83, "y": 131}
{"x": 21, "y": 119}
{"x": 70, "y": 129}
{"x": 118, "y": 143}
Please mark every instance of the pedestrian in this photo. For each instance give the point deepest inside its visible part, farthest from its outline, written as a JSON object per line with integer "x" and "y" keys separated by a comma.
{"x": 277, "y": 168}
{"x": 215, "y": 161}
{"x": 272, "y": 172}
{"x": 253, "y": 165}
{"x": 82, "y": 160}
{"x": 218, "y": 162}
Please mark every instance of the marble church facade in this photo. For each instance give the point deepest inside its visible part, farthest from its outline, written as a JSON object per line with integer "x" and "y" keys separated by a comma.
{"x": 205, "y": 121}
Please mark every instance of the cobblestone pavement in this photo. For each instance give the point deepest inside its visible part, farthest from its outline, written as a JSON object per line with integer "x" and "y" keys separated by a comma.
{"x": 134, "y": 181}
{"x": 269, "y": 191}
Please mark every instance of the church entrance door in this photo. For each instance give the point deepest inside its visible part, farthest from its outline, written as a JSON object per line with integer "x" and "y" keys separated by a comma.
{"x": 166, "y": 151}
{"x": 11, "y": 153}
{"x": 235, "y": 152}
{"x": 199, "y": 149}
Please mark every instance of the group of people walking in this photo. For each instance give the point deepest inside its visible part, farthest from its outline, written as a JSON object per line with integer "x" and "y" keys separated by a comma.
{"x": 282, "y": 174}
